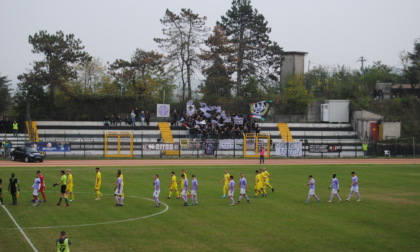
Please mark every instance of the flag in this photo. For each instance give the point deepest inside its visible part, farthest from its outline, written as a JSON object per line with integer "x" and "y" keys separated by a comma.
{"x": 259, "y": 110}
{"x": 190, "y": 108}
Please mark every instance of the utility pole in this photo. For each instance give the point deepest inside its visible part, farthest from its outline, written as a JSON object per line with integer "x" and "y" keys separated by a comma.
{"x": 362, "y": 59}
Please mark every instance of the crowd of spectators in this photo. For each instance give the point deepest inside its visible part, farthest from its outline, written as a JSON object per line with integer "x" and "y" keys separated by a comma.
{"x": 218, "y": 125}
{"x": 6, "y": 125}
{"x": 136, "y": 115}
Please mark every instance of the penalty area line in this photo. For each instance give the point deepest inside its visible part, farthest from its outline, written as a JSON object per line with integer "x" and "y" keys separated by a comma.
{"x": 20, "y": 229}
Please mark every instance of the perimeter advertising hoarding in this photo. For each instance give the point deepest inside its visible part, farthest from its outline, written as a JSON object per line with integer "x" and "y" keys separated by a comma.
{"x": 50, "y": 146}
{"x": 324, "y": 148}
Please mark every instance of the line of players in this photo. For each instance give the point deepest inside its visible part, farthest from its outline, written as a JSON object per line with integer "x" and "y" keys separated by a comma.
{"x": 335, "y": 188}
{"x": 262, "y": 181}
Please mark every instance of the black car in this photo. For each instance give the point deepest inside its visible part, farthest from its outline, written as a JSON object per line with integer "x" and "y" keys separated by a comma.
{"x": 27, "y": 154}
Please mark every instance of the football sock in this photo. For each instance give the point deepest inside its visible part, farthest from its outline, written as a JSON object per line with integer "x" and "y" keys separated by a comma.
{"x": 240, "y": 197}
{"x": 170, "y": 194}
{"x": 231, "y": 199}
{"x": 66, "y": 200}
{"x": 1, "y": 200}
{"x": 338, "y": 196}
{"x": 331, "y": 197}
{"x": 309, "y": 198}
{"x": 177, "y": 193}
{"x": 316, "y": 197}
{"x": 59, "y": 202}
{"x": 358, "y": 195}
{"x": 157, "y": 201}
{"x": 44, "y": 196}
{"x": 122, "y": 201}
{"x": 116, "y": 200}
{"x": 246, "y": 196}
{"x": 351, "y": 193}
{"x": 98, "y": 194}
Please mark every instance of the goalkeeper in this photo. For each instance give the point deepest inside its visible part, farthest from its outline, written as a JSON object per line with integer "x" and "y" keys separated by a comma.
{"x": 63, "y": 183}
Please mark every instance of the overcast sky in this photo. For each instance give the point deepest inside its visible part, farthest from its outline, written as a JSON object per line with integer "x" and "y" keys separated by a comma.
{"x": 333, "y": 32}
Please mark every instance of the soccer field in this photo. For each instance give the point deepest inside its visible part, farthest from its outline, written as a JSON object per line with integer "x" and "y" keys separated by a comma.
{"x": 387, "y": 218}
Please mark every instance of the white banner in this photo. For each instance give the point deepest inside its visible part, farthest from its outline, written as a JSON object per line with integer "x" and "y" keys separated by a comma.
{"x": 163, "y": 110}
{"x": 230, "y": 144}
{"x": 294, "y": 149}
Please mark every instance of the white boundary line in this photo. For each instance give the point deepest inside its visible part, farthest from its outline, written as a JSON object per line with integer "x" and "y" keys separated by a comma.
{"x": 20, "y": 229}
{"x": 100, "y": 223}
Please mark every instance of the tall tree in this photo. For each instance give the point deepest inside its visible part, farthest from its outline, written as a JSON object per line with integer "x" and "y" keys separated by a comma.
{"x": 60, "y": 53}
{"x": 141, "y": 73}
{"x": 91, "y": 76}
{"x": 4, "y": 94}
{"x": 411, "y": 64}
{"x": 255, "y": 54}
{"x": 217, "y": 66}
{"x": 183, "y": 36}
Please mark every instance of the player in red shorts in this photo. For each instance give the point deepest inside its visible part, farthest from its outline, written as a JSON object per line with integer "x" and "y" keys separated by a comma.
{"x": 41, "y": 190}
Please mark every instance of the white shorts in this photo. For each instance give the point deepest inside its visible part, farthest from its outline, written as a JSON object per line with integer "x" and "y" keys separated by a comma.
{"x": 243, "y": 191}
{"x": 193, "y": 192}
{"x": 354, "y": 189}
{"x": 184, "y": 193}
{"x": 35, "y": 193}
{"x": 230, "y": 193}
{"x": 334, "y": 191}
{"x": 156, "y": 194}
{"x": 311, "y": 191}
{"x": 119, "y": 192}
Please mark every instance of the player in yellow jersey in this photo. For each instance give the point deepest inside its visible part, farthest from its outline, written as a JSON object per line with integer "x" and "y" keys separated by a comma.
{"x": 259, "y": 183}
{"x": 69, "y": 187}
{"x": 98, "y": 182}
{"x": 122, "y": 178}
{"x": 266, "y": 176}
{"x": 173, "y": 186}
{"x": 225, "y": 180}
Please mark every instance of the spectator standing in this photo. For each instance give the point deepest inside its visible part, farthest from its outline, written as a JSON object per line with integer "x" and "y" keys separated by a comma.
{"x": 365, "y": 148}
{"x": 174, "y": 116}
{"x": 113, "y": 120}
{"x": 15, "y": 128}
{"x": 8, "y": 149}
{"x": 118, "y": 121}
{"x": 262, "y": 153}
{"x": 142, "y": 117}
{"x": 133, "y": 118}
{"x": 147, "y": 118}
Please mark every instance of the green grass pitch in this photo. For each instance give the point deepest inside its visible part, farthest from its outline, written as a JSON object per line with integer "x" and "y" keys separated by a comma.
{"x": 387, "y": 218}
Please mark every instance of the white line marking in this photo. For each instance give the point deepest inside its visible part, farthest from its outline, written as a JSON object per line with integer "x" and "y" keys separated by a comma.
{"x": 102, "y": 223}
{"x": 20, "y": 229}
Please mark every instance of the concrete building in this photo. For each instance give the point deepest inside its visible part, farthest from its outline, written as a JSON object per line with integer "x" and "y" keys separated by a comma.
{"x": 293, "y": 63}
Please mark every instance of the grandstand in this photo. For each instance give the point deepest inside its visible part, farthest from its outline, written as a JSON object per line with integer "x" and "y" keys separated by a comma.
{"x": 87, "y": 139}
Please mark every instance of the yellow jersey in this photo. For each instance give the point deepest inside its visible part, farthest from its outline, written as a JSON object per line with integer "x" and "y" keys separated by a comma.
{"x": 174, "y": 182}
{"x": 260, "y": 179}
{"x": 98, "y": 179}
{"x": 266, "y": 176}
{"x": 227, "y": 177}
{"x": 70, "y": 180}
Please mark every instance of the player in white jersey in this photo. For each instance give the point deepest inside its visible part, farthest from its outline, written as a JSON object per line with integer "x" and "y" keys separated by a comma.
{"x": 36, "y": 186}
{"x": 118, "y": 191}
{"x": 194, "y": 188}
{"x": 311, "y": 185}
{"x": 231, "y": 190}
{"x": 184, "y": 193}
{"x": 354, "y": 187}
{"x": 156, "y": 186}
{"x": 335, "y": 185}
{"x": 243, "y": 186}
